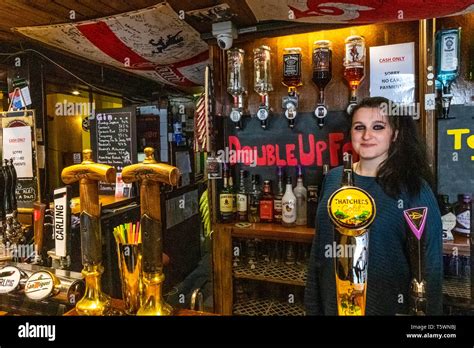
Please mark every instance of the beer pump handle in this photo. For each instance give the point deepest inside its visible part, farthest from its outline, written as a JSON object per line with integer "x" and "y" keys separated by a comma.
{"x": 38, "y": 228}
{"x": 150, "y": 173}
{"x": 418, "y": 294}
{"x": 14, "y": 182}
{"x": 88, "y": 173}
{"x": 2, "y": 196}
{"x": 7, "y": 200}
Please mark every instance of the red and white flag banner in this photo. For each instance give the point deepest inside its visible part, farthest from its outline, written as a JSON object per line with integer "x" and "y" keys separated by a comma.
{"x": 356, "y": 12}
{"x": 153, "y": 42}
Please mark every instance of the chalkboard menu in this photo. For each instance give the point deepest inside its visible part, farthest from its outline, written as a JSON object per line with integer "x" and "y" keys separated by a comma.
{"x": 114, "y": 140}
{"x": 456, "y": 152}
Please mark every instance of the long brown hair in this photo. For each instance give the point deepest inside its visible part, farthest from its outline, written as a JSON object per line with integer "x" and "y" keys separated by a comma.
{"x": 406, "y": 167}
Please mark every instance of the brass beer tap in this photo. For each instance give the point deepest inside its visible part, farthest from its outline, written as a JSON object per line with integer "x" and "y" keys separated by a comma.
{"x": 352, "y": 210}
{"x": 150, "y": 174}
{"x": 88, "y": 173}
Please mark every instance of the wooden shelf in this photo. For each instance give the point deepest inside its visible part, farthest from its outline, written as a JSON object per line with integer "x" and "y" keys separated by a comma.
{"x": 271, "y": 231}
{"x": 225, "y": 274}
{"x": 274, "y": 273}
{"x": 463, "y": 247}
{"x": 263, "y": 307}
{"x": 457, "y": 289}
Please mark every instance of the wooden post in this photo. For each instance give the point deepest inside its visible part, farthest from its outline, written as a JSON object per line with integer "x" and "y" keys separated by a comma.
{"x": 427, "y": 29}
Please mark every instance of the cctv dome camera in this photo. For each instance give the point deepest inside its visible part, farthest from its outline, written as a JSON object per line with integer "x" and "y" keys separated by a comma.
{"x": 225, "y": 33}
{"x": 225, "y": 41}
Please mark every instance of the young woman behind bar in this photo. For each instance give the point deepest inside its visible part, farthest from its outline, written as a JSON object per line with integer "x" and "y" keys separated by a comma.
{"x": 394, "y": 170}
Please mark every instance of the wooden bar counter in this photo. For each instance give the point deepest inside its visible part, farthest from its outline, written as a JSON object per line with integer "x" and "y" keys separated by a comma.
{"x": 118, "y": 306}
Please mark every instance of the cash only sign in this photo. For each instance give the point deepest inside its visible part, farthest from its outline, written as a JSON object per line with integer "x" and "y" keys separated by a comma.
{"x": 352, "y": 211}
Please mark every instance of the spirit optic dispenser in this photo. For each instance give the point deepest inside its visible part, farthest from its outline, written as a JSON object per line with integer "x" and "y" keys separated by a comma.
{"x": 447, "y": 63}
{"x": 292, "y": 80}
{"x": 322, "y": 74}
{"x": 262, "y": 81}
{"x": 352, "y": 211}
{"x": 354, "y": 66}
{"x": 236, "y": 83}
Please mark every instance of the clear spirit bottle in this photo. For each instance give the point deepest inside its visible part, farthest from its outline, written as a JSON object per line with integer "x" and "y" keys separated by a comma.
{"x": 301, "y": 200}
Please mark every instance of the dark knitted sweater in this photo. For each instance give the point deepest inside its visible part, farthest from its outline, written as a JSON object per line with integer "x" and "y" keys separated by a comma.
{"x": 388, "y": 275}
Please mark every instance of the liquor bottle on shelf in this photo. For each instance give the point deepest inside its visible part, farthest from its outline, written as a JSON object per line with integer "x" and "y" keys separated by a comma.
{"x": 226, "y": 200}
{"x": 254, "y": 201}
{"x": 262, "y": 81}
{"x": 325, "y": 172}
{"x": 448, "y": 218}
{"x": 233, "y": 194}
{"x": 266, "y": 203}
{"x": 236, "y": 84}
{"x": 263, "y": 252}
{"x": 463, "y": 217}
{"x": 354, "y": 66}
{"x": 290, "y": 255}
{"x": 304, "y": 250}
{"x": 292, "y": 80}
{"x": 242, "y": 202}
{"x": 347, "y": 171}
{"x": 288, "y": 204}
{"x": 277, "y": 208}
{"x": 448, "y": 49}
{"x": 312, "y": 205}
{"x": 251, "y": 253}
{"x": 236, "y": 252}
{"x": 275, "y": 251}
{"x": 301, "y": 200}
{"x": 322, "y": 74}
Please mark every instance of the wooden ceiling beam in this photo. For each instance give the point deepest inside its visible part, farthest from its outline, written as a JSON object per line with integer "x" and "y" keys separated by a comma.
{"x": 28, "y": 14}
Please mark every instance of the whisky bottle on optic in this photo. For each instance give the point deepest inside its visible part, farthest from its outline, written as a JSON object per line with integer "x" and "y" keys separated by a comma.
{"x": 354, "y": 66}
{"x": 322, "y": 74}
{"x": 254, "y": 201}
{"x": 242, "y": 202}
{"x": 226, "y": 200}
{"x": 291, "y": 79}
{"x": 266, "y": 203}
{"x": 288, "y": 204}
{"x": 277, "y": 208}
